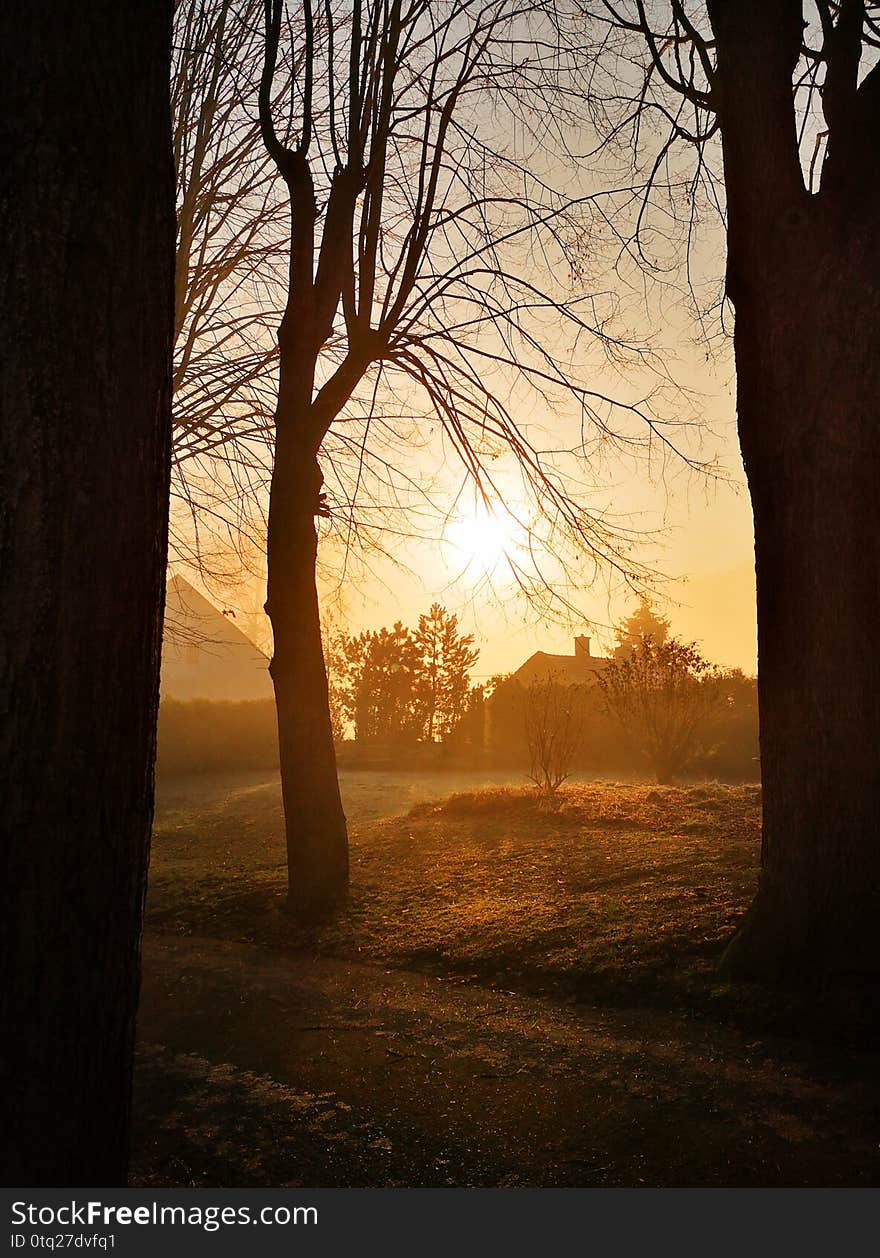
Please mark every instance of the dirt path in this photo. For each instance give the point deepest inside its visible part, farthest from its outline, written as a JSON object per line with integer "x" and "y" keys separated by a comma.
{"x": 287, "y": 1068}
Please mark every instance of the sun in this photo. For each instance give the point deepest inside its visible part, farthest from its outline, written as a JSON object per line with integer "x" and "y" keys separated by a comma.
{"x": 482, "y": 541}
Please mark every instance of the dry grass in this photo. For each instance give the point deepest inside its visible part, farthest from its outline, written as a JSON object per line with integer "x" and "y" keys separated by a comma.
{"x": 608, "y": 892}
{"x": 272, "y": 1065}
{"x": 604, "y": 887}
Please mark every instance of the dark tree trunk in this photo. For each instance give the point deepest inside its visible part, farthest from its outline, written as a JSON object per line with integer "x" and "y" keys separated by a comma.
{"x": 317, "y": 838}
{"x": 804, "y": 277}
{"x": 86, "y": 305}
{"x": 808, "y": 373}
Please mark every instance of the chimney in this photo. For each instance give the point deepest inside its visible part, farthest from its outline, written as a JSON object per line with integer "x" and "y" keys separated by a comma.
{"x": 582, "y": 647}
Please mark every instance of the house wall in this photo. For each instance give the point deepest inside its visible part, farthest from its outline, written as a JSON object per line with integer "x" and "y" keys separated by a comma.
{"x": 205, "y": 655}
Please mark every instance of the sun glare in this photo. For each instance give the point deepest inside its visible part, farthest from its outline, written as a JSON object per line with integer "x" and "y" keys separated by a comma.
{"x": 481, "y": 542}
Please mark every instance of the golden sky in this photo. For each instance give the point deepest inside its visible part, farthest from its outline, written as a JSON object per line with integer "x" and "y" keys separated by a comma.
{"x": 711, "y": 600}
{"x": 698, "y": 532}
{"x": 695, "y": 529}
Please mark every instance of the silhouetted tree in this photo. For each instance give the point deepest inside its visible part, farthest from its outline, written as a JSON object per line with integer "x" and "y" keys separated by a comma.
{"x": 731, "y": 732}
{"x": 400, "y": 685}
{"x": 411, "y": 220}
{"x": 662, "y": 693}
{"x": 553, "y": 731}
{"x": 86, "y": 303}
{"x": 643, "y": 623}
{"x": 335, "y": 643}
{"x": 469, "y": 734}
{"x": 794, "y": 91}
{"x": 233, "y": 244}
{"x": 446, "y": 660}
{"x": 233, "y": 230}
{"x": 386, "y": 694}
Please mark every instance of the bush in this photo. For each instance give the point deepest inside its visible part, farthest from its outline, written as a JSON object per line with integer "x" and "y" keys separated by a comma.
{"x": 727, "y": 751}
{"x": 204, "y": 736}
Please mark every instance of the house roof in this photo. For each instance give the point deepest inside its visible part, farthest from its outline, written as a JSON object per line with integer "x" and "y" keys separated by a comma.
{"x": 204, "y": 653}
{"x": 573, "y": 670}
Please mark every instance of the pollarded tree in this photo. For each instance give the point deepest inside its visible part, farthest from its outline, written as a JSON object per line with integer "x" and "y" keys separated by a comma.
{"x": 662, "y": 694}
{"x": 793, "y": 93}
{"x": 447, "y": 657}
{"x": 86, "y": 305}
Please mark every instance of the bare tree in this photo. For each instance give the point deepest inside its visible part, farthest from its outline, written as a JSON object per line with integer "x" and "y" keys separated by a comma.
{"x": 232, "y": 242}
{"x": 553, "y": 731}
{"x": 233, "y": 234}
{"x": 792, "y": 91}
{"x": 86, "y": 296}
{"x": 413, "y": 150}
{"x": 663, "y": 693}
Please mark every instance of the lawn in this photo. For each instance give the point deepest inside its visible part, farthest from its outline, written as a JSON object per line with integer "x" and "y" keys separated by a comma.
{"x": 518, "y": 992}
{"x": 608, "y": 892}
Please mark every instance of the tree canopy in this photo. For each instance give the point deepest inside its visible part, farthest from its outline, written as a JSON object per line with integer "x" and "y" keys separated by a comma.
{"x": 643, "y": 623}
{"x": 404, "y": 685}
{"x": 662, "y": 693}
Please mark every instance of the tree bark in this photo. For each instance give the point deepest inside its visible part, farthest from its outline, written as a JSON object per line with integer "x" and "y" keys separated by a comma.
{"x": 804, "y": 278}
{"x": 316, "y": 833}
{"x": 808, "y": 375}
{"x": 86, "y": 307}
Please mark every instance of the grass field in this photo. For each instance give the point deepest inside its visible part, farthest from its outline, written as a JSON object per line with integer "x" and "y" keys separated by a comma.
{"x": 518, "y": 992}
{"x": 612, "y": 892}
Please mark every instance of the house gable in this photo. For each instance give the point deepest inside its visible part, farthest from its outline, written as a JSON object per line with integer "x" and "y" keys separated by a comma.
{"x": 204, "y": 653}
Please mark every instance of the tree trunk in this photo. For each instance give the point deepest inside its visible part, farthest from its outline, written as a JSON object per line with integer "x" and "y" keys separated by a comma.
{"x": 808, "y": 374}
{"x": 317, "y": 838}
{"x": 804, "y": 277}
{"x": 86, "y": 305}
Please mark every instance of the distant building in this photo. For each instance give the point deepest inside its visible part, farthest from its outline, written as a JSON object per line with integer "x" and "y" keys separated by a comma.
{"x": 204, "y": 654}
{"x": 571, "y": 670}
{"x": 503, "y": 728}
